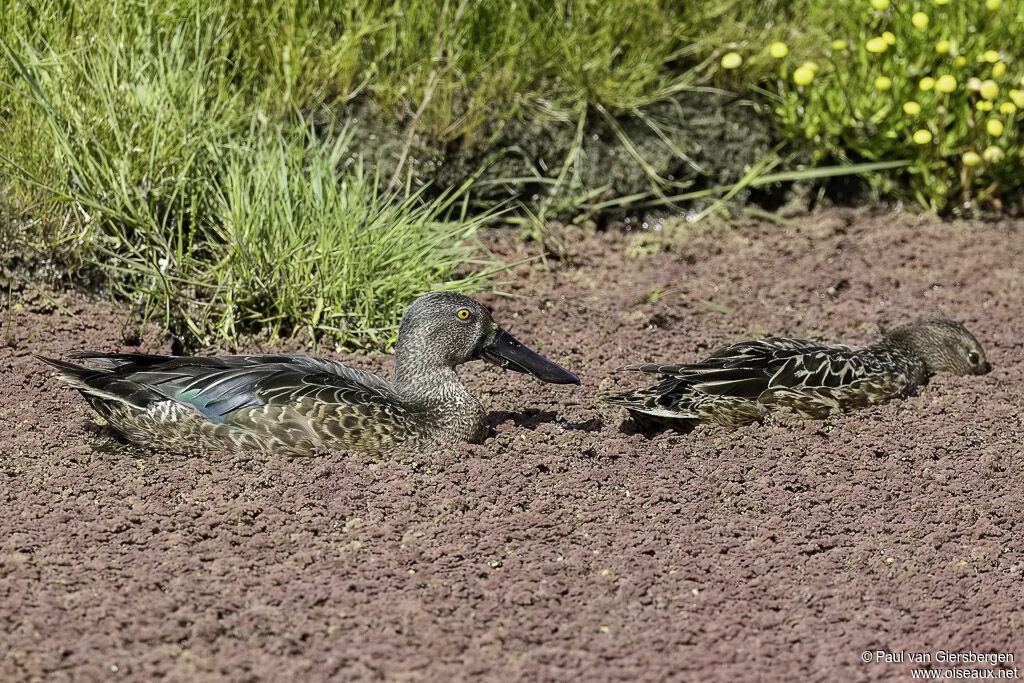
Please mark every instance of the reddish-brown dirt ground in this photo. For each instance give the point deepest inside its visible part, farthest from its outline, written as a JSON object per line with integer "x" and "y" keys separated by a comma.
{"x": 568, "y": 546}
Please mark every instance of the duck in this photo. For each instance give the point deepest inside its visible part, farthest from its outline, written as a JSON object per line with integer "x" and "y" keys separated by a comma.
{"x": 742, "y": 383}
{"x": 295, "y": 404}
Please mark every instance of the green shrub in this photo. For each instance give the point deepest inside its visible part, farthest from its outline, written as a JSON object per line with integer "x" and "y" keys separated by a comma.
{"x": 937, "y": 83}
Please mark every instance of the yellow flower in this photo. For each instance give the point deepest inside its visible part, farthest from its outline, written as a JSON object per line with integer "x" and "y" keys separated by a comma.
{"x": 839, "y": 45}
{"x": 971, "y": 159}
{"x": 959, "y": 61}
{"x": 883, "y": 83}
{"x": 889, "y": 38}
{"x": 877, "y": 45}
{"x": 1007, "y": 108}
{"x": 983, "y": 105}
{"x": 945, "y": 84}
{"x": 993, "y": 4}
{"x": 731, "y": 60}
{"x": 994, "y": 127}
{"x": 920, "y": 19}
{"x": 1018, "y": 97}
{"x": 880, "y": 4}
{"x": 778, "y": 50}
{"x": 922, "y": 137}
{"x": 998, "y": 69}
{"x": 992, "y": 154}
{"x": 943, "y": 47}
{"x": 991, "y": 56}
{"x": 926, "y": 83}
{"x": 912, "y": 108}
{"x": 803, "y": 76}
{"x": 989, "y": 90}
{"x": 941, "y": 2}
{"x": 973, "y": 84}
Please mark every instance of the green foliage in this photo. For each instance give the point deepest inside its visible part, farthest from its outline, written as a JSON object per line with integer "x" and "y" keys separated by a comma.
{"x": 936, "y": 83}
{"x": 203, "y": 213}
{"x": 129, "y": 130}
{"x": 467, "y": 63}
{"x": 472, "y": 65}
{"x": 170, "y": 143}
{"x": 333, "y": 257}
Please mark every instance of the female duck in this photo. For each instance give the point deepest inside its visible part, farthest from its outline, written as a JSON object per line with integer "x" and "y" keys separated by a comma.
{"x": 294, "y": 404}
{"x": 743, "y": 382}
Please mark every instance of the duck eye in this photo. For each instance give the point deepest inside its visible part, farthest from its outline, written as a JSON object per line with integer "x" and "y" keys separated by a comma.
{"x": 463, "y": 314}
{"x": 973, "y": 357}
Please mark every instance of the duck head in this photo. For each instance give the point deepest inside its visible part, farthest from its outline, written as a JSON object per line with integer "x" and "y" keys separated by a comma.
{"x": 944, "y": 346}
{"x": 444, "y": 329}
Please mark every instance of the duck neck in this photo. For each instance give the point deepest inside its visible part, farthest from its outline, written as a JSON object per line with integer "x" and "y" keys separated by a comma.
{"x": 428, "y": 384}
{"x": 890, "y": 348}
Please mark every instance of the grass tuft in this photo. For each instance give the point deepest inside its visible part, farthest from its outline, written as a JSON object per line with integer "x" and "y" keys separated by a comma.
{"x": 333, "y": 258}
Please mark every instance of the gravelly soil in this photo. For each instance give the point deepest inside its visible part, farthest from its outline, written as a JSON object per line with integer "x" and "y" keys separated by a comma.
{"x": 567, "y": 546}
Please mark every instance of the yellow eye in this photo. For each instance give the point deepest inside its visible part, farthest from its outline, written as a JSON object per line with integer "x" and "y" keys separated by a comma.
{"x": 463, "y": 314}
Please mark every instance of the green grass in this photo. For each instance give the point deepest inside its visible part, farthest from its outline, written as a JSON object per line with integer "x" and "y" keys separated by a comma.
{"x": 469, "y": 64}
{"x": 197, "y": 155}
{"x": 171, "y": 143}
{"x": 331, "y": 255}
{"x": 211, "y": 218}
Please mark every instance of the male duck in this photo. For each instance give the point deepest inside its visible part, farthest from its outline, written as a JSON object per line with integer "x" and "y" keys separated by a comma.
{"x": 743, "y": 382}
{"x": 294, "y": 404}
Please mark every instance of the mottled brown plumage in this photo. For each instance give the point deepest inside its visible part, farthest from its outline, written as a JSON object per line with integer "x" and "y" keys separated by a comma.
{"x": 295, "y": 404}
{"x": 741, "y": 383}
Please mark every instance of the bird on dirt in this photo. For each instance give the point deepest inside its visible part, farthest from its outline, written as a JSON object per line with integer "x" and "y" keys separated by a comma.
{"x": 294, "y": 404}
{"x": 742, "y": 383}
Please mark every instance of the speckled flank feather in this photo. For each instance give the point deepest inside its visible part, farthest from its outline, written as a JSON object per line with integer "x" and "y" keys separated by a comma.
{"x": 294, "y": 404}
{"x": 743, "y": 382}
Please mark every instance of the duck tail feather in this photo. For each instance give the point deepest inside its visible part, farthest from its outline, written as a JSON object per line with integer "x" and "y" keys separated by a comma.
{"x": 103, "y": 383}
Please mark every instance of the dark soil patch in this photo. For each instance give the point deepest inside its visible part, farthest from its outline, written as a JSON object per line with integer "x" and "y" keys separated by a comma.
{"x": 716, "y": 139}
{"x": 567, "y": 547}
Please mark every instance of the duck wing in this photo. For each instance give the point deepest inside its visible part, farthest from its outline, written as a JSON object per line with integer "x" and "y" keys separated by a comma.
{"x": 226, "y": 389}
{"x": 810, "y": 377}
{"x": 676, "y": 400}
{"x": 749, "y": 369}
{"x": 722, "y": 388}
